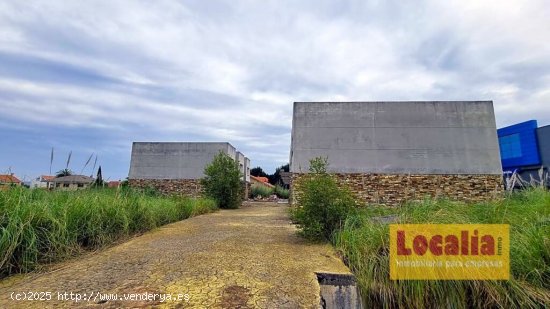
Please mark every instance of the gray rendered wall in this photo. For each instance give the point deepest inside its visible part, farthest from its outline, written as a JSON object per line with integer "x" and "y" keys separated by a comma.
{"x": 244, "y": 165}
{"x": 159, "y": 160}
{"x": 240, "y": 158}
{"x": 247, "y": 169}
{"x": 543, "y": 138}
{"x": 456, "y": 137}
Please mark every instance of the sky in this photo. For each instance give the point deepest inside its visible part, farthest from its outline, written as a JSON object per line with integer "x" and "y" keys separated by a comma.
{"x": 91, "y": 77}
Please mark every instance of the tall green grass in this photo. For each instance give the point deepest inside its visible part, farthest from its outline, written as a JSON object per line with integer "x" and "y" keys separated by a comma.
{"x": 364, "y": 243}
{"x": 261, "y": 191}
{"x": 37, "y": 226}
{"x": 282, "y": 192}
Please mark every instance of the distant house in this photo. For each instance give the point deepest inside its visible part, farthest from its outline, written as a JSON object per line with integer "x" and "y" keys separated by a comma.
{"x": 7, "y": 181}
{"x": 72, "y": 182}
{"x": 44, "y": 181}
{"x": 260, "y": 181}
{"x": 113, "y": 184}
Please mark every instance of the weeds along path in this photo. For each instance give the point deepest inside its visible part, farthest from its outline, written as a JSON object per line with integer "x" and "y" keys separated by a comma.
{"x": 245, "y": 258}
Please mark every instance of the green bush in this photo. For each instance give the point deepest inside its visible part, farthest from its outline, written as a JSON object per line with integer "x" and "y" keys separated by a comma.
{"x": 222, "y": 181}
{"x": 324, "y": 205}
{"x": 39, "y": 226}
{"x": 282, "y": 192}
{"x": 261, "y": 191}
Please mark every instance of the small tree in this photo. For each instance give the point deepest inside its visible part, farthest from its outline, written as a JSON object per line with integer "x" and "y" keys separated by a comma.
{"x": 98, "y": 182}
{"x": 222, "y": 181}
{"x": 64, "y": 172}
{"x": 324, "y": 205}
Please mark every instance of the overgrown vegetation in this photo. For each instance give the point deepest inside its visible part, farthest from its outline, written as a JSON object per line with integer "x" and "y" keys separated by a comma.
{"x": 324, "y": 206}
{"x": 222, "y": 181}
{"x": 282, "y": 192}
{"x": 263, "y": 191}
{"x": 37, "y": 226}
{"x": 260, "y": 191}
{"x": 363, "y": 240}
{"x": 364, "y": 243}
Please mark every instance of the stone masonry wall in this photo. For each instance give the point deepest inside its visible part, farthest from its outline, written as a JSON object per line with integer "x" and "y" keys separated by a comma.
{"x": 392, "y": 189}
{"x": 189, "y": 187}
{"x": 246, "y": 192}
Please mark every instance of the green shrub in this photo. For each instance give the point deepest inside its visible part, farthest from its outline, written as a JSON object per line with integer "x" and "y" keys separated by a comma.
{"x": 324, "y": 205}
{"x": 261, "y": 191}
{"x": 222, "y": 181}
{"x": 364, "y": 244}
{"x": 282, "y": 192}
{"x": 39, "y": 226}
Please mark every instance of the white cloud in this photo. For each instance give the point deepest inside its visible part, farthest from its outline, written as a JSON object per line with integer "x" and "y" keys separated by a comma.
{"x": 231, "y": 70}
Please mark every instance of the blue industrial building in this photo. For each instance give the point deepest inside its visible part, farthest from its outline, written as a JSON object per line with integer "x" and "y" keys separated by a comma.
{"x": 525, "y": 149}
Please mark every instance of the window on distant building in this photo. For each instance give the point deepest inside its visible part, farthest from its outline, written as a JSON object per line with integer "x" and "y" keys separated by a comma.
{"x": 510, "y": 146}
{"x": 65, "y": 185}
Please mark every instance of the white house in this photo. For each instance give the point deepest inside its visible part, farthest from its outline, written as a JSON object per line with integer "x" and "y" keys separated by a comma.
{"x": 44, "y": 181}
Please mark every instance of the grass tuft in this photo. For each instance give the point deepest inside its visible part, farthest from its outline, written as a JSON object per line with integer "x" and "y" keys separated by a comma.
{"x": 364, "y": 244}
{"x": 282, "y": 192}
{"x": 38, "y": 226}
{"x": 260, "y": 191}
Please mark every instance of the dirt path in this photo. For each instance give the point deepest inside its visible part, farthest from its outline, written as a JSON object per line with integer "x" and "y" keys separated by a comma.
{"x": 245, "y": 258}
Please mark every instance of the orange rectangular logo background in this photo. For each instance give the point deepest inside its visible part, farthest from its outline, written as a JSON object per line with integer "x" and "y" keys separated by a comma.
{"x": 449, "y": 252}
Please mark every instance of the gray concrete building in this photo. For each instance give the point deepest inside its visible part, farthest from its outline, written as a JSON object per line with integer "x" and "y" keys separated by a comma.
{"x": 244, "y": 166}
{"x": 390, "y": 152}
{"x": 543, "y": 137}
{"x": 176, "y": 167}
{"x": 247, "y": 169}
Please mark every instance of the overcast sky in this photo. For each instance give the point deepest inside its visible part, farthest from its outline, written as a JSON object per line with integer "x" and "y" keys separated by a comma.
{"x": 93, "y": 76}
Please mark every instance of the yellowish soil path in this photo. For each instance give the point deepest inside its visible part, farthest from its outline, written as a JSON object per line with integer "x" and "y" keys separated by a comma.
{"x": 245, "y": 258}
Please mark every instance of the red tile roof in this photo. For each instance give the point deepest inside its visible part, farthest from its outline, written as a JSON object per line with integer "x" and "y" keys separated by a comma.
{"x": 9, "y": 179}
{"x": 47, "y": 178}
{"x": 113, "y": 184}
{"x": 261, "y": 179}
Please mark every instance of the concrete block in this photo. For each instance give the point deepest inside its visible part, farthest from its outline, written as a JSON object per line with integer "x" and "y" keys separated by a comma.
{"x": 455, "y": 137}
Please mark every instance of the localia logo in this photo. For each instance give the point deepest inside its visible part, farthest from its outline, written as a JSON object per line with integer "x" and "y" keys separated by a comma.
{"x": 449, "y": 251}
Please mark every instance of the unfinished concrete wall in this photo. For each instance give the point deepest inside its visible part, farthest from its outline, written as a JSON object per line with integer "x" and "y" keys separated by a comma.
{"x": 244, "y": 167}
{"x": 159, "y": 160}
{"x": 240, "y": 158}
{"x": 173, "y": 167}
{"x": 247, "y": 169}
{"x": 396, "y": 138}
